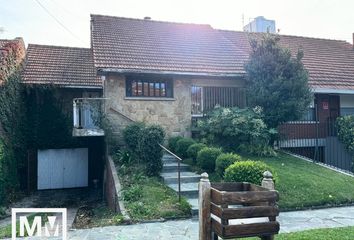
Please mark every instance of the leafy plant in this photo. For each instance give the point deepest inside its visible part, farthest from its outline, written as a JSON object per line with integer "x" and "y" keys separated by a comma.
{"x": 132, "y": 134}
{"x": 230, "y": 127}
{"x": 260, "y": 150}
{"x": 172, "y": 143}
{"x": 206, "y": 158}
{"x": 123, "y": 157}
{"x": 276, "y": 81}
{"x": 150, "y": 153}
{"x": 224, "y": 160}
{"x": 193, "y": 150}
{"x": 133, "y": 193}
{"x": 247, "y": 171}
{"x": 345, "y": 128}
{"x": 182, "y": 146}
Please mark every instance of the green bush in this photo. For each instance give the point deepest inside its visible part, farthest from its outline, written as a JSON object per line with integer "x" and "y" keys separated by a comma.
{"x": 182, "y": 147}
{"x": 172, "y": 143}
{"x": 259, "y": 150}
{"x": 133, "y": 193}
{"x": 230, "y": 127}
{"x": 132, "y": 134}
{"x": 224, "y": 161}
{"x": 206, "y": 158}
{"x": 150, "y": 153}
{"x": 193, "y": 150}
{"x": 247, "y": 171}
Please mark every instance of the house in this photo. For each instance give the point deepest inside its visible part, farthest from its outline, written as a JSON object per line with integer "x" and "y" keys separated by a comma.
{"x": 71, "y": 73}
{"x": 172, "y": 74}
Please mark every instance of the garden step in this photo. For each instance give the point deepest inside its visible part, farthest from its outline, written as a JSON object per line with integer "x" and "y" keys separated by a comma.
{"x": 169, "y": 159}
{"x": 186, "y": 177}
{"x": 189, "y": 190}
{"x": 172, "y": 167}
{"x": 194, "y": 205}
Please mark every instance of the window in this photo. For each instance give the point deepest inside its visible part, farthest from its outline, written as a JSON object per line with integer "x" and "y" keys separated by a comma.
{"x": 205, "y": 99}
{"x": 148, "y": 87}
{"x": 310, "y": 115}
{"x": 197, "y": 101}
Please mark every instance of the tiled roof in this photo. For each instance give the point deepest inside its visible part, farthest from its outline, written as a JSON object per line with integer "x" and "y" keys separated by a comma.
{"x": 153, "y": 46}
{"x": 330, "y": 63}
{"x": 65, "y": 66}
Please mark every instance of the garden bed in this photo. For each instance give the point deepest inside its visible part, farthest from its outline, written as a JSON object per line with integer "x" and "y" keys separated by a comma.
{"x": 147, "y": 198}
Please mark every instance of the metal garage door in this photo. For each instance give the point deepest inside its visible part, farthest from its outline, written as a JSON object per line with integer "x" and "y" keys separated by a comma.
{"x": 62, "y": 168}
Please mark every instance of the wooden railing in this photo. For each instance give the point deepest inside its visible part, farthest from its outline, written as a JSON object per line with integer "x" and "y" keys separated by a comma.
{"x": 178, "y": 169}
{"x": 238, "y": 210}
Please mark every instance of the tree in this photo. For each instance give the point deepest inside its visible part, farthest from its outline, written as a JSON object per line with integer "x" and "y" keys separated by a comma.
{"x": 276, "y": 81}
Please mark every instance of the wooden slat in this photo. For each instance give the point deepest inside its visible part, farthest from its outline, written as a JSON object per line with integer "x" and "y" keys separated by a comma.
{"x": 230, "y": 198}
{"x": 216, "y": 210}
{"x": 250, "y": 230}
{"x": 248, "y": 212}
{"x": 217, "y": 227}
{"x": 230, "y": 186}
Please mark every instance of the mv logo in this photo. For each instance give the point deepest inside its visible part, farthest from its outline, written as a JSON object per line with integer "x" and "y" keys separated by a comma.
{"x": 25, "y": 224}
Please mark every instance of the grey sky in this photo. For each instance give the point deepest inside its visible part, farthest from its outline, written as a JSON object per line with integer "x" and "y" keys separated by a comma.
{"x": 313, "y": 18}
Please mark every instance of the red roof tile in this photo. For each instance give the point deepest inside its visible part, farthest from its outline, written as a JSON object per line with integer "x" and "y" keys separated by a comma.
{"x": 147, "y": 45}
{"x": 330, "y": 63}
{"x": 65, "y": 66}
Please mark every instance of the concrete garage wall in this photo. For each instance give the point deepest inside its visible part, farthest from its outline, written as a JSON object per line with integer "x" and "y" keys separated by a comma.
{"x": 173, "y": 114}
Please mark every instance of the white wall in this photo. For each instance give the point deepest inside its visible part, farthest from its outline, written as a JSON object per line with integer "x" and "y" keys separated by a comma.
{"x": 346, "y": 100}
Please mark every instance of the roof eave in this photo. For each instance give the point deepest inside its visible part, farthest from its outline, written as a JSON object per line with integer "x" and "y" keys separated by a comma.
{"x": 333, "y": 90}
{"x": 104, "y": 71}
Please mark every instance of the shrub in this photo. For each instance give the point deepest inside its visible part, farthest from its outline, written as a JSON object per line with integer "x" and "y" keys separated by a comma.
{"x": 259, "y": 150}
{"x": 223, "y": 161}
{"x": 172, "y": 143}
{"x": 182, "y": 146}
{"x": 247, "y": 171}
{"x": 193, "y": 150}
{"x": 206, "y": 158}
{"x": 132, "y": 134}
{"x": 230, "y": 127}
{"x": 150, "y": 152}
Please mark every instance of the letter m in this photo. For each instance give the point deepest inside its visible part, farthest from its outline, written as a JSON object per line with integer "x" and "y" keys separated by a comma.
{"x": 36, "y": 224}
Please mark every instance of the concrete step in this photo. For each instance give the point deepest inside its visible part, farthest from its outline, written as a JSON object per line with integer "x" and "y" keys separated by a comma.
{"x": 186, "y": 177}
{"x": 189, "y": 190}
{"x": 195, "y": 207}
{"x": 173, "y": 167}
{"x": 167, "y": 160}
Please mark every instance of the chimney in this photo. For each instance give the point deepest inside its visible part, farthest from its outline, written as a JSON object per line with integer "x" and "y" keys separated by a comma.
{"x": 147, "y": 18}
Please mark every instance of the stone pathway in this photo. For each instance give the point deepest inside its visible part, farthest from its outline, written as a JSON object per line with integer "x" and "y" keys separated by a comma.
{"x": 188, "y": 229}
{"x": 189, "y": 180}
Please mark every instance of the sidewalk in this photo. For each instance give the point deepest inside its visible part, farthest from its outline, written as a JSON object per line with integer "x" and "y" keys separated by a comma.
{"x": 188, "y": 229}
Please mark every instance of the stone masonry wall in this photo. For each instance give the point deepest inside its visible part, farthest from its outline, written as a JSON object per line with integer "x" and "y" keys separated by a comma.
{"x": 174, "y": 115}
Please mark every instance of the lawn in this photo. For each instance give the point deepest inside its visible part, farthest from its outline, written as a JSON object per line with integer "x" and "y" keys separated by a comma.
{"x": 345, "y": 233}
{"x": 147, "y": 198}
{"x": 303, "y": 184}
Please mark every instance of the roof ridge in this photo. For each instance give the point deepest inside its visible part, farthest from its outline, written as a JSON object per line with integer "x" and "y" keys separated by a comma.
{"x": 286, "y": 35}
{"x": 150, "y": 20}
{"x": 55, "y": 46}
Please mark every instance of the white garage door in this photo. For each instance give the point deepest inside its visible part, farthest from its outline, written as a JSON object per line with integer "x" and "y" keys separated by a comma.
{"x": 62, "y": 168}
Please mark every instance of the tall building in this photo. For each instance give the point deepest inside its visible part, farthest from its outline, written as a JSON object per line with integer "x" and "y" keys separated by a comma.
{"x": 260, "y": 24}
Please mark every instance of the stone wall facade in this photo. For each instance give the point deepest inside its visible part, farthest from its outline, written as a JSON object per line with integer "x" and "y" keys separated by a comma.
{"x": 173, "y": 114}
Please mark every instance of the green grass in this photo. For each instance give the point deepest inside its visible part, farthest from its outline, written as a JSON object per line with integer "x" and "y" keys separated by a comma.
{"x": 304, "y": 184}
{"x": 147, "y": 198}
{"x": 345, "y": 233}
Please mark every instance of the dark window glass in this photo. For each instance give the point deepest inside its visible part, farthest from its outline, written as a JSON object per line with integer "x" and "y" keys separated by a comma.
{"x": 149, "y": 88}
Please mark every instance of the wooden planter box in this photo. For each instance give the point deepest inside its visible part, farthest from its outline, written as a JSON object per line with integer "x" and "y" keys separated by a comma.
{"x": 230, "y": 201}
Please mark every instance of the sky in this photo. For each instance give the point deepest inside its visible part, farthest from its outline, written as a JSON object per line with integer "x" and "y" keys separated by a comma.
{"x": 67, "y": 22}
